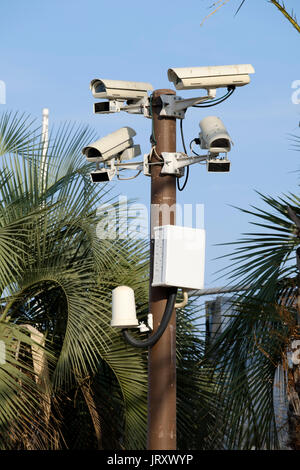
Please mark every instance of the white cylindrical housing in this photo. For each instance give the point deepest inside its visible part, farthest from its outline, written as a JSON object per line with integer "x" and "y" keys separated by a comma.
{"x": 123, "y": 308}
{"x": 214, "y": 135}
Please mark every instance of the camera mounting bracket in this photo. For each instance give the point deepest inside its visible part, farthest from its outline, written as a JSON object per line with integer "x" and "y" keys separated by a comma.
{"x": 174, "y": 162}
{"x": 175, "y": 106}
{"x": 141, "y": 106}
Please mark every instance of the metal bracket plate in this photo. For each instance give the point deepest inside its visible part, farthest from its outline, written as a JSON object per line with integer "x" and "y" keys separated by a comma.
{"x": 170, "y": 166}
{"x": 169, "y": 107}
{"x": 175, "y": 106}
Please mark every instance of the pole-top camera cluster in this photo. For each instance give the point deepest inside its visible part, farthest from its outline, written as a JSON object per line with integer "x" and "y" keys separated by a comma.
{"x": 112, "y": 153}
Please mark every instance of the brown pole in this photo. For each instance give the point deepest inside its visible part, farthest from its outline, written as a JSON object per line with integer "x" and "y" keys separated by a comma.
{"x": 162, "y": 356}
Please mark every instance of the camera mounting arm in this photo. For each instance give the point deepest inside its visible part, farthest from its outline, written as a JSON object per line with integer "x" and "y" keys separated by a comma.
{"x": 130, "y": 165}
{"x": 174, "y": 163}
{"x": 115, "y": 106}
{"x": 175, "y": 106}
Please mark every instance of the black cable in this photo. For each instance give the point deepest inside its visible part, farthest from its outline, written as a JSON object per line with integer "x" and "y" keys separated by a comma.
{"x": 159, "y": 332}
{"x": 218, "y": 101}
{"x": 192, "y": 150}
{"x": 152, "y": 137}
{"x": 187, "y": 168}
{"x": 181, "y": 188}
{"x": 182, "y": 137}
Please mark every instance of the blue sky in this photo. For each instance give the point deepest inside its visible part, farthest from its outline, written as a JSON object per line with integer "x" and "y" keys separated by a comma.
{"x": 51, "y": 50}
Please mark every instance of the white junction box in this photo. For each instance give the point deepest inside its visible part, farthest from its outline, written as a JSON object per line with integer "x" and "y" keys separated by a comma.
{"x": 179, "y": 257}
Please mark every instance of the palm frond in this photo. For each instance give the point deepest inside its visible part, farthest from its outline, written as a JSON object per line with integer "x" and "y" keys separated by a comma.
{"x": 291, "y": 17}
{"x": 256, "y": 331}
{"x": 17, "y": 134}
{"x": 262, "y": 258}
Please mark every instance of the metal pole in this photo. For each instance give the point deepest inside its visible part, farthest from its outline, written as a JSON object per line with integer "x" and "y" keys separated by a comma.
{"x": 162, "y": 356}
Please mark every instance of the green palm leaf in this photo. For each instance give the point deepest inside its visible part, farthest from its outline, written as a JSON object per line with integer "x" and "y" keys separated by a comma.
{"x": 17, "y": 134}
{"x": 256, "y": 332}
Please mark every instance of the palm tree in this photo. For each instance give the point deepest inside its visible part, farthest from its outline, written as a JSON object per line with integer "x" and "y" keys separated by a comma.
{"x": 256, "y": 342}
{"x": 55, "y": 278}
{"x": 69, "y": 380}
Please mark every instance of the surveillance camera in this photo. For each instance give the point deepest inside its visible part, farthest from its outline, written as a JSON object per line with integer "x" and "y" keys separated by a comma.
{"x": 102, "y": 175}
{"x": 119, "y": 90}
{"x": 219, "y": 76}
{"x": 218, "y": 165}
{"x": 110, "y": 146}
{"x": 214, "y": 136}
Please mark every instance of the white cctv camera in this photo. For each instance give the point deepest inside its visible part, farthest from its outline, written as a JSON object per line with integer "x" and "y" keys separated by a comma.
{"x": 211, "y": 77}
{"x": 119, "y": 90}
{"x": 214, "y": 136}
{"x": 118, "y": 144}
